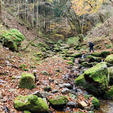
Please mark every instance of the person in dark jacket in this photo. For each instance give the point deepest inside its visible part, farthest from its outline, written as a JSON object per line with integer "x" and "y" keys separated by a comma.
{"x": 91, "y": 47}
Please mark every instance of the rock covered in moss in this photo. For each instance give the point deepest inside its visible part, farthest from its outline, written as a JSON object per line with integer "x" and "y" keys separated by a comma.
{"x": 12, "y": 39}
{"x": 101, "y": 54}
{"x": 109, "y": 59}
{"x": 95, "y": 103}
{"x": 27, "y": 112}
{"x": 93, "y": 58}
{"x": 109, "y": 93}
{"x": 94, "y": 79}
{"x": 27, "y": 80}
{"x": 105, "y": 53}
{"x": 58, "y": 102}
{"x": 31, "y": 103}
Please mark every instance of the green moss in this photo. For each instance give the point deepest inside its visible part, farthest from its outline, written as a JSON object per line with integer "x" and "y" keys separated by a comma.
{"x": 101, "y": 54}
{"x": 94, "y": 59}
{"x": 98, "y": 73}
{"x": 95, "y": 79}
{"x": 73, "y": 41}
{"x": 86, "y": 64}
{"x": 95, "y": 103}
{"x": 96, "y": 54}
{"x": 12, "y": 39}
{"x": 48, "y": 88}
{"x": 59, "y": 101}
{"x": 27, "y": 112}
{"x": 109, "y": 93}
{"x": 23, "y": 67}
{"x": 80, "y": 81}
{"x": 105, "y": 53}
{"x": 109, "y": 59}
{"x": 27, "y": 80}
{"x": 31, "y": 103}
{"x": 76, "y": 55}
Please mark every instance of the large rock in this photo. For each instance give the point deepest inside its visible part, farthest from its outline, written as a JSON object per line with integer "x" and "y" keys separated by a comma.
{"x": 31, "y": 103}
{"x": 58, "y": 102}
{"x": 12, "y": 39}
{"x": 27, "y": 80}
{"x": 101, "y": 54}
{"x": 109, "y": 93}
{"x": 95, "y": 79}
{"x": 109, "y": 59}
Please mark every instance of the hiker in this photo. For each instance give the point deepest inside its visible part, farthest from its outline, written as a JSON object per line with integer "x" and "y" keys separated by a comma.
{"x": 91, "y": 45}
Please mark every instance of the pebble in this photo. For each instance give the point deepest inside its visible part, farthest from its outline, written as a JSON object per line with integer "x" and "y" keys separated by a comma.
{"x": 55, "y": 91}
{"x": 67, "y": 85}
{"x": 65, "y": 91}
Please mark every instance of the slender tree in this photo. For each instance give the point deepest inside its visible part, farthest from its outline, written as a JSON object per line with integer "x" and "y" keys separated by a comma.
{"x": 0, "y": 10}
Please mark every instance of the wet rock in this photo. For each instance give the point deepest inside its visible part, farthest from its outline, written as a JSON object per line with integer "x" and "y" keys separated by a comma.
{"x": 56, "y": 82}
{"x": 48, "y": 88}
{"x": 61, "y": 85}
{"x": 55, "y": 91}
{"x": 51, "y": 80}
{"x": 79, "y": 91}
{"x": 65, "y": 91}
{"x": 72, "y": 104}
{"x": 66, "y": 76}
{"x": 45, "y": 73}
{"x": 38, "y": 94}
{"x": 46, "y": 94}
{"x": 67, "y": 85}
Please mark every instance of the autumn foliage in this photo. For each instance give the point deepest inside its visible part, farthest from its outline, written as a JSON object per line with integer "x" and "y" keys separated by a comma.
{"x": 82, "y": 7}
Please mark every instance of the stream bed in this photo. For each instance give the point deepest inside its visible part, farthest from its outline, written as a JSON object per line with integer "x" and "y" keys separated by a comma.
{"x": 106, "y": 106}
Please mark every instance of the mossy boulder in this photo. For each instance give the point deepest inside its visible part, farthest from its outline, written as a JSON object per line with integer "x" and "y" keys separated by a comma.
{"x": 58, "y": 37}
{"x": 58, "y": 102}
{"x": 86, "y": 64}
{"x": 101, "y": 54}
{"x": 12, "y": 39}
{"x": 95, "y": 103}
{"x": 95, "y": 79}
{"x": 27, "y": 80}
{"x": 109, "y": 59}
{"x": 105, "y": 53}
{"x": 77, "y": 55}
{"x": 93, "y": 59}
{"x": 109, "y": 93}
{"x": 27, "y": 112}
{"x": 96, "y": 54}
{"x": 30, "y": 103}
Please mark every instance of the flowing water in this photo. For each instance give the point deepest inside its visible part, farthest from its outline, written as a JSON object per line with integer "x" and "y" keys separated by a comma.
{"x": 106, "y": 106}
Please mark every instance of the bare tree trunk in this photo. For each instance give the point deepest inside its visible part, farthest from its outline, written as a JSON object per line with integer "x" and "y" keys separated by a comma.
{"x": 0, "y": 10}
